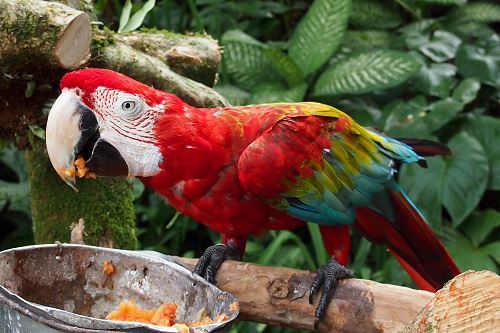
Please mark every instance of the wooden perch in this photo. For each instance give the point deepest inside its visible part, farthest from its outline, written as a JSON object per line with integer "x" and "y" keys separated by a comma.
{"x": 468, "y": 303}
{"x": 279, "y": 296}
{"x": 51, "y": 34}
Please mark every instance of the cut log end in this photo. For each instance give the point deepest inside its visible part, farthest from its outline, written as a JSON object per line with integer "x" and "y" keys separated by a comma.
{"x": 468, "y": 303}
{"x": 73, "y": 48}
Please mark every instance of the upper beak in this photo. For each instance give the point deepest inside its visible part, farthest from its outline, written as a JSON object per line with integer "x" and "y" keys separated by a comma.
{"x": 63, "y": 132}
{"x": 72, "y": 128}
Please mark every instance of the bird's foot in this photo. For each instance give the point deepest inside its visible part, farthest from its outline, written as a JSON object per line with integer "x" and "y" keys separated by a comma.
{"x": 326, "y": 279}
{"x": 214, "y": 256}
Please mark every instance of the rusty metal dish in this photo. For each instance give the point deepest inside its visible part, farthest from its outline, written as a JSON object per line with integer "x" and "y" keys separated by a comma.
{"x": 63, "y": 287}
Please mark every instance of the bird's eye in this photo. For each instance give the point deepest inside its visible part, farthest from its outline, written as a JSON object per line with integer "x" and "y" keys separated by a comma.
{"x": 128, "y": 106}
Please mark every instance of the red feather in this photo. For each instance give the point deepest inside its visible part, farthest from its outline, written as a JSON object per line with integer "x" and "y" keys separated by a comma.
{"x": 411, "y": 240}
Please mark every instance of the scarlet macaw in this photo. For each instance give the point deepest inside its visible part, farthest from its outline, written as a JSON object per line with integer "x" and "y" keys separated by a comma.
{"x": 243, "y": 169}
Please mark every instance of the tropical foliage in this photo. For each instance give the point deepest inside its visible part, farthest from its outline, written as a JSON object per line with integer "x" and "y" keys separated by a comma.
{"x": 412, "y": 68}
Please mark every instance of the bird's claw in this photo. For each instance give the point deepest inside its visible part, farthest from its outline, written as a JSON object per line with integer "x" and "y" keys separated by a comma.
{"x": 326, "y": 279}
{"x": 214, "y": 256}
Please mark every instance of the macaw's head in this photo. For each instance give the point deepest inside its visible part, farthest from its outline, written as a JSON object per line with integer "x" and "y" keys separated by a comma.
{"x": 108, "y": 119}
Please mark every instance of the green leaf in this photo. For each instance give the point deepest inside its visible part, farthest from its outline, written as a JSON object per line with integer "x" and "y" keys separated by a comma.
{"x": 136, "y": 20}
{"x": 37, "y": 131}
{"x": 372, "y": 14}
{"x": 493, "y": 250}
{"x": 478, "y": 11}
{"x": 457, "y": 182}
{"x": 466, "y": 255}
{"x": 420, "y": 27}
{"x": 425, "y": 187}
{"x": 361, "y": 256}
{"x": 363, "y": 110}
{"x": 361, "y": 40}
{"x": 272, "y": 92}
{"x": 441, "y": 90}
{"x": 17, "y": 194}
{"x": 317, "y": 240}
{"x": 239, "y": 36}
{"x": 243, "y": 52}
{"x": 404, "y": 118}
{"x": 467, "y": 29}
{"x": 319, "y": 34}
{"x": 234, "y": 95}
{"x": 465, "y": 177}
{"x": 442, "y": 112}
{"x": 283, "y": 236}
{"x": 480, "y": 62}
{"x": 14, "y": 160}
{"x": 412, "y": 7}
{"x": 172, "y": 221}
{"x": 137, "y": 187}
{"x": 445, "y": 2}
{"x": 244, "y": 61}
{"x": 285, "y": 66}
{"x": 124, "y": 17}
{"x": 434, "y": 79}
{"x": 30, "y": 89}
{"x": 467, "y": 90}
{"x": 479, "y": 225}
{"x": 364, "y": 72}
{"x": 487, "y": 130}
{"x": 442, "y": 46}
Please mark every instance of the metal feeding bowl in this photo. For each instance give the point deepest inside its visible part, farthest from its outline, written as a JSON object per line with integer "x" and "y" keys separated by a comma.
{"x": 63, "y": 288}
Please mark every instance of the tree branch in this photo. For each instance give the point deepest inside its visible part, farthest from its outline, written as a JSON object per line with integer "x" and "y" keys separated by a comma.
{"x": 194, "y": 56}
{"x": 279, "y": 296}
{"x": 150, "y": 70}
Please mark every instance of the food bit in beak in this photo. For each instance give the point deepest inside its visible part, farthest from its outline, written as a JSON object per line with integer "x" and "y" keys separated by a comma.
{"x": 81, "y": 169}
{"x": 69, "y": 172}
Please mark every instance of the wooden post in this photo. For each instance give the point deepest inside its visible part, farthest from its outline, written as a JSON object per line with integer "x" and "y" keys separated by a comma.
{"x": 468, "y": 303}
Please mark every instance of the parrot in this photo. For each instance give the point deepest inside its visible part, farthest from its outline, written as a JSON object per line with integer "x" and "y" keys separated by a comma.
{"x": 241, "y": 170}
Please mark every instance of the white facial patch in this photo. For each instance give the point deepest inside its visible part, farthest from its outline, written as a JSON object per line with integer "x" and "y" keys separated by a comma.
{"x": 126, "y": 121}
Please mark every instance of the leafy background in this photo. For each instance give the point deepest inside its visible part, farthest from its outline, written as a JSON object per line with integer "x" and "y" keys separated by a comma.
{"x": 412, "y": 68}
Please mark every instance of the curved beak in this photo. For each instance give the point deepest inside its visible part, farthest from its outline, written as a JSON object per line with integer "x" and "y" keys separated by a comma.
{"x": 72, "y": 129}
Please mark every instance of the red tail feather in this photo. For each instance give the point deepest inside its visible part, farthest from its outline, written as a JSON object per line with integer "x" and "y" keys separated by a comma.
{"x": 411, "y": 240}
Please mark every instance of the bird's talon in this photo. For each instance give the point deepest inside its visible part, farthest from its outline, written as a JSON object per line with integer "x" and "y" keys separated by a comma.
{"x": 326, "y": 279}
{"x": 214, "y": 256}
{"x": 316, "y": 323}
